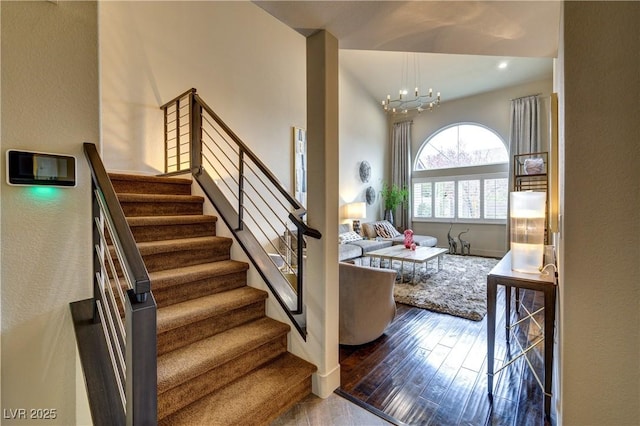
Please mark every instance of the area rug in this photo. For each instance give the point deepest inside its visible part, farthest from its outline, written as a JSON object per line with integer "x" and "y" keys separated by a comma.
{"x": 459, "y": 289}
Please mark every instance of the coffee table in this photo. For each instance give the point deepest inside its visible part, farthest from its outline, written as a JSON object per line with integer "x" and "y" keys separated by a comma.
{"x": 402, "y": 254}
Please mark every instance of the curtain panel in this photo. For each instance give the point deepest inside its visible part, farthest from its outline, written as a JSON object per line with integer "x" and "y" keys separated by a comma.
{"x": 401, "y": 167}
{"x": 524, "y": 136}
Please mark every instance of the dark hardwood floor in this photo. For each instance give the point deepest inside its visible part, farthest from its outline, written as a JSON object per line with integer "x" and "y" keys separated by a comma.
{"x": 430, "y": 369}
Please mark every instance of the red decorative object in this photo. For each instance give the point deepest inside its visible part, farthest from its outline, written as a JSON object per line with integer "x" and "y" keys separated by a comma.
{"x": 408, "y": 238}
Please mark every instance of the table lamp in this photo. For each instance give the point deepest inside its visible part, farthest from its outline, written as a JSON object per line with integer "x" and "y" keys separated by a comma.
{"x": 527, "y": 215}
{"x": 356, "y": 211}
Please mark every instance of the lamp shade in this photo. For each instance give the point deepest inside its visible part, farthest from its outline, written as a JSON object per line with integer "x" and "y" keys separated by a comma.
{"x": 527, "y": 215}
{"x": 356, "y": 210}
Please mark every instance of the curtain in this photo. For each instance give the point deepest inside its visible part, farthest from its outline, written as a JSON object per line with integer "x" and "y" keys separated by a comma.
{"x": 401, "y": 167}
{"x": 524, "y": 136}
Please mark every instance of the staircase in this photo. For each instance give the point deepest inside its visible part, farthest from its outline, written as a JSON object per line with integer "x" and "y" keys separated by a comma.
{"x": 220, "y": 359}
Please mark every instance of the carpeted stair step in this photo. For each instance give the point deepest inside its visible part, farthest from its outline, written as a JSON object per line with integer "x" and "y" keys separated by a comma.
{"x": 190, "y": 372}
{"x": 184, "y": 323}
{"x": 153, "y": 228}
{"x": 141, "y": 184}
{"x": 171, "y": 254}
{"x": 160, "y": 204}
{"x": 190, "y": 282}
{"x": 256, "y": 398}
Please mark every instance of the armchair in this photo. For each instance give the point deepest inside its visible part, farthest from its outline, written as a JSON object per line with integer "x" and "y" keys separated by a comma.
{"x": 367, "y": 306}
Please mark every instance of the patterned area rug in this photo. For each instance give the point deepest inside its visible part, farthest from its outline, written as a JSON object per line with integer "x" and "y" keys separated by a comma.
{"x": 459, "y": 289}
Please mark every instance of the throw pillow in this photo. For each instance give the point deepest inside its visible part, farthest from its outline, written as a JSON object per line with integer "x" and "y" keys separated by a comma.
{"x": 348, "y": 237}
{"x": 386, "y": 230}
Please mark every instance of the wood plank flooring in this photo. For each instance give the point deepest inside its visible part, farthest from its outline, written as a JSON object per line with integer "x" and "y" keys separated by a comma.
{"x": 430, "y": 369}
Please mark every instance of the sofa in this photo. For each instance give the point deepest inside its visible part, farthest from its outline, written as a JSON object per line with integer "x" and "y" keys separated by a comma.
{"x": 353, "y": 246}
{"x": 384, "y": 230}
{"x": 366, "y": 302}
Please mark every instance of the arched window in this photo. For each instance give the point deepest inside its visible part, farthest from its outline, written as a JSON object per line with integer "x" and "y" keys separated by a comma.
{"x": 460, "y": 174}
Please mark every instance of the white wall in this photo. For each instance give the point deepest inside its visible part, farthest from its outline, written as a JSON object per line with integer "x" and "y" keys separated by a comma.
{"x": 49, "y": 103}
{"x": 490, "y": 109}
{"x": 600, "y": 265}
{"x": 249, "y": 68}
{"x": 364, "y": 136}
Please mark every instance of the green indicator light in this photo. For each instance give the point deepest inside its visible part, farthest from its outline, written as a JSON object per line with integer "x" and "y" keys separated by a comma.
{"x": 44, "y": 192}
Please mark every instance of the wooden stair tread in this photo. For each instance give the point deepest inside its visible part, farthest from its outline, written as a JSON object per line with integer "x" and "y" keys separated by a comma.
{"x": 170, "y": 220}
{"x": 187, "y": 362}
{"x": 149, "y": 178}
{"x": 177, "y": 276}
{"x": 125, "y": 197}
{"x": 194, "y": 243}
{"x": 190, "y": 311}
{"x": 220, "y": 359}
{"x": 250, "y": 398}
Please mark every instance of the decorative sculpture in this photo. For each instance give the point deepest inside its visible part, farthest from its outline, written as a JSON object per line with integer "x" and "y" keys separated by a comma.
{"x": 408, "y": 238}
{"x": 365, "y": 171}
{"x": 453, "y": 247}
{"x": 464, "y": 245}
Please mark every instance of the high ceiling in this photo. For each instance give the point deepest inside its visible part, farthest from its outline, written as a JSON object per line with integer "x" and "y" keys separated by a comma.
{"x": 459, "y": 43}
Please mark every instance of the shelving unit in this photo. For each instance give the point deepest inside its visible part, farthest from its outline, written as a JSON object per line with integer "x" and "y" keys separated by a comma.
{"x": 531, "y": 173}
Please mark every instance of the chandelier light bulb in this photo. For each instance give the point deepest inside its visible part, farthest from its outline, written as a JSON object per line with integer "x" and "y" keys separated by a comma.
{"x": 415, "y": 101}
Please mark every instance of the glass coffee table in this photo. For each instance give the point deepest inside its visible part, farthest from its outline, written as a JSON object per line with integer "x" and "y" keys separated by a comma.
{"x": 400, "y": 253}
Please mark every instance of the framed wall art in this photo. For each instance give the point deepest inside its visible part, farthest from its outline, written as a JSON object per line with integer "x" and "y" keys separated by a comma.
{"x": 300, "y": 165}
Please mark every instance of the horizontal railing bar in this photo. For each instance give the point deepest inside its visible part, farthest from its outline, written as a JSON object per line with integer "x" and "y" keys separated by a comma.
{"x": 213, "y": 154}
{"x": 263, "y": 217}
{"x": 179, "y": 97}
{"x": 214, "y": 126}
{"x": 299, "y": 210}
{"x": 223, "y": 179}
{"x": 249, "y": 199}
{"x": 112, "y": 336}
{"x": 107, "y": 222}
{"x": 103, "y": 268}
{"x": 112, "y": 357}
{"x": 141, "y": 282}
{"x": 236, "y": 168}
{"x": 248, "y": 152}
{"x": 266, "y": 187}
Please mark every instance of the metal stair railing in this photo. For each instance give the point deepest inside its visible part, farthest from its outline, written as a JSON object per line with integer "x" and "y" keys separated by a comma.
{"x": 265, "y": 219}
{"x": 123, "y": 302}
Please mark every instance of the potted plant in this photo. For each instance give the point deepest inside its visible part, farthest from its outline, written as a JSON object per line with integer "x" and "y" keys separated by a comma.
{"x": 393, "y": 197}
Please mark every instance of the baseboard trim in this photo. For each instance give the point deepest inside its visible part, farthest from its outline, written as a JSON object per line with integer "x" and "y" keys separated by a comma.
{"x": 325, "y": 384}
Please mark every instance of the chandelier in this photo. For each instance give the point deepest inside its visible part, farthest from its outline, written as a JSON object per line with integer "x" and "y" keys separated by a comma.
{"x": 418, "y": 101}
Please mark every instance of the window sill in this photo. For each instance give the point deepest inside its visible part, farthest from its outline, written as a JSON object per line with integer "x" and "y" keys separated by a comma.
{"x": 502, "y": 222}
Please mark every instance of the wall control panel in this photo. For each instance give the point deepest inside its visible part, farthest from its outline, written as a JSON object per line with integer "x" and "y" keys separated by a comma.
{"x": 40, "y": 168}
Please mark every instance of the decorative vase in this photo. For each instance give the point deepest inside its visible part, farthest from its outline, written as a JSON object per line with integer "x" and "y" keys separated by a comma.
{"x": 388, "y": 216}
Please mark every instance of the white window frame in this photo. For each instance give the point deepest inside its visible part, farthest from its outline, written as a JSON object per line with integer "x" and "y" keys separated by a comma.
{"x": 476, "y": 172}
{"x": 456, "y": 178}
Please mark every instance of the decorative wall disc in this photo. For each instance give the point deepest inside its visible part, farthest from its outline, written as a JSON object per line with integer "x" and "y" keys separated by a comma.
{"x": 365, "y": 171}
{"x": 370, "y": 195}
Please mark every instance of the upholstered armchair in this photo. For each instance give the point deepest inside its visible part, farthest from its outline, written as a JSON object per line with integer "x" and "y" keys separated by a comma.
{"x": 367, "y": 306}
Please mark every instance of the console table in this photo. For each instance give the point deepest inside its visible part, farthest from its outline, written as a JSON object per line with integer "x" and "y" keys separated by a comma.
{"x": 502, "y": 274}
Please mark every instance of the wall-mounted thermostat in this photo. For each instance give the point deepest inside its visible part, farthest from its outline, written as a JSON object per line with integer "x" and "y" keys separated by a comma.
{"x": 40, "y": 168}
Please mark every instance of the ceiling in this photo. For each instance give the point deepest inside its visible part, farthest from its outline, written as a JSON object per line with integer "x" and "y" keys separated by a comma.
{"x": 459, "y": 44}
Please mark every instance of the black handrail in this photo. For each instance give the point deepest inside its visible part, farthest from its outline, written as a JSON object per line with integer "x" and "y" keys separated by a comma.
{"x": 299, "y": 211}
{"x": 139, "y": 275}
{"x": 231, "y": 210}
{"x": 140, "y": 349}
